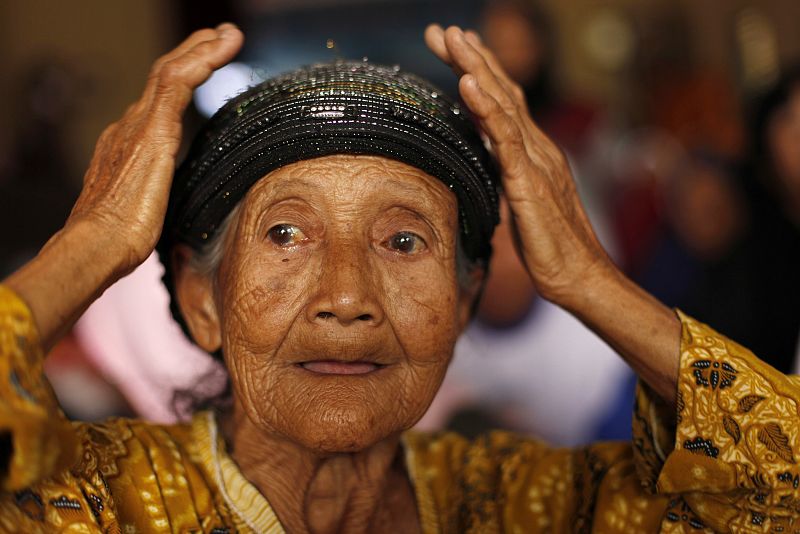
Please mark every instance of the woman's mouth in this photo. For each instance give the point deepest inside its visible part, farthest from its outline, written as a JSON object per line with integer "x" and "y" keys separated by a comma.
{"x": 331, "y": 367}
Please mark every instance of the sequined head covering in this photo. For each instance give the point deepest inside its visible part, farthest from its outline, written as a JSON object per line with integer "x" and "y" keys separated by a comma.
{"x": 343, "y": 107}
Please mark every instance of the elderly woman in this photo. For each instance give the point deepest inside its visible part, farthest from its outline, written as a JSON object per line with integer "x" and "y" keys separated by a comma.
{"x": 327, "y": 237}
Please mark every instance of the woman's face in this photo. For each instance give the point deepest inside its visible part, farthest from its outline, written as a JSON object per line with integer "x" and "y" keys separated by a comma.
{"x": 337, "y": 302}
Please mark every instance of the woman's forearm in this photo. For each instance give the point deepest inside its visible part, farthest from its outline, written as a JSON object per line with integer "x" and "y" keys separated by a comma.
{"x": 641, "y": 329}
{"x": 68, "y": 274}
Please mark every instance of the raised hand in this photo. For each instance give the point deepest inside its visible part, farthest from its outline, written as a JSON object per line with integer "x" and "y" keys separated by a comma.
{"x": 118, "y": 217}
{"x": 126, "y": 188}
{"x": 554, "y": 237}
{"x": 556, "y": 241}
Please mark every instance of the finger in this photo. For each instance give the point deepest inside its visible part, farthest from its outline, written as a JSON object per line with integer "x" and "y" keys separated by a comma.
{"x": 474, "y": 39}
{"x": 513, "y": 88}
{"x": 199, "y": 36}
{"x": 503, "y": 131}
{"x": 471, "y": 60}
{"x": 466, "y": 57}
{"x": 434, "y": 39}
{"x": 173, "y": 85}
{"x": 534, "y": 134}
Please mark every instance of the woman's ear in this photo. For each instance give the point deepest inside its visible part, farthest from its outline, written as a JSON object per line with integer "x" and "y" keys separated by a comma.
{"x": 195, "y": 293}
{"x": 469, "y": 297}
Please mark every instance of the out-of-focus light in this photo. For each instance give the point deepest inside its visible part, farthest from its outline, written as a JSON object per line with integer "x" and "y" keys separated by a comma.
{"x": 609, "y": 40}
{"x": 758, "y": 49}
{"x": 330, "y": 43}
{"x": 224, "y": 84}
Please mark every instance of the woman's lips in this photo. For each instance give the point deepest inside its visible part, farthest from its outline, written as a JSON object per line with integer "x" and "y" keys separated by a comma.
{"x": 340, "y": 368}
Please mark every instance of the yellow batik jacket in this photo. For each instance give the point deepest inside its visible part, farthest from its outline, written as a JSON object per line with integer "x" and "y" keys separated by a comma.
{"x": 724, "y": 461}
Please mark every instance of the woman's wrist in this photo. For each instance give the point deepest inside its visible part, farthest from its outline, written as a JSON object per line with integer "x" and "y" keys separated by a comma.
{"x": 577, "y": 289}
{"x": 644, "y": 331}
{"x": 75, "y": 266}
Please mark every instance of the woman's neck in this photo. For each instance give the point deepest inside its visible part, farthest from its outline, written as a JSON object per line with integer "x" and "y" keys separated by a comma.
{"x": 367, "y": 491}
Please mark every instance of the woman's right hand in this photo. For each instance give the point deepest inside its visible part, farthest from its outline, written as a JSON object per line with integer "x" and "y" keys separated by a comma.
{"x": 126, "y": 189}
{"x": 118, "y": 217}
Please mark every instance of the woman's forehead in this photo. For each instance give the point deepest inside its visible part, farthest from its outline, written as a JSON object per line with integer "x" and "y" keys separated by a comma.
{"x": 344, "y": 176}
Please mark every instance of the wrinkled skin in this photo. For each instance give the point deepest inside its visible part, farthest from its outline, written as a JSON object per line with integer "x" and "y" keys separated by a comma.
{"x": 338, "y": 291}
{"x": 324, "y": 450}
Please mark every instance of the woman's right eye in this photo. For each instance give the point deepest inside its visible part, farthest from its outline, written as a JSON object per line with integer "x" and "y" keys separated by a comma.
{"x": 285, "y": 235}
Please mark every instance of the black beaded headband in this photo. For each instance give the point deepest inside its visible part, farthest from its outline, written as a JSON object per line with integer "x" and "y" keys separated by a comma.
{"x": 343, "y": 107}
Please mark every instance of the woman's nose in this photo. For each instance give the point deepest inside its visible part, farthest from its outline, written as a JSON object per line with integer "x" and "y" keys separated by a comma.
{"x": 346, "y": 294}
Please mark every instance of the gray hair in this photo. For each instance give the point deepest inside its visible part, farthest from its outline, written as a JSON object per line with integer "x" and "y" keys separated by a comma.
{"x": 207, "y": 260}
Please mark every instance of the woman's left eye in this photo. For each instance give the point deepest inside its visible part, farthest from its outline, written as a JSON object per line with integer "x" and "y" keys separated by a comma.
{"x": 285, "y": 235}
{"x": 406, "y": 243}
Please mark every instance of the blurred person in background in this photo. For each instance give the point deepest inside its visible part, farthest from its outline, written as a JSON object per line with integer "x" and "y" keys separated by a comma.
{"x": 777, "y": 138}
{"x": 688, "y": 113}
{"x": 730, "y": 249}
{"x": 515, "y": 330}
{"x": 706, "y": 219}
{"x": 775, "y": 192}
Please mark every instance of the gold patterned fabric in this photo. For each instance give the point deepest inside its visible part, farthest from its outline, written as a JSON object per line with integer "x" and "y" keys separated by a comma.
{"x": 725, "y": 460}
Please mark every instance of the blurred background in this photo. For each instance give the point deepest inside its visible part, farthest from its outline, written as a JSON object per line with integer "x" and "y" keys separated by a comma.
{"x": 681, "y": 120}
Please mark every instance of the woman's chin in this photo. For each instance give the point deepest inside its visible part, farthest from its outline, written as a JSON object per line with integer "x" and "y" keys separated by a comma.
{"x": 339, "y": 431}
{"x": 341, "y": 444}
{"x": 341, "y": 414}
{"x": 342, "y": 435}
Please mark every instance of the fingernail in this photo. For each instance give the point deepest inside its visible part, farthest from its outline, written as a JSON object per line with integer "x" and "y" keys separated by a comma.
{"x": 226, "y": 29}
{"x": 470, "y": 80}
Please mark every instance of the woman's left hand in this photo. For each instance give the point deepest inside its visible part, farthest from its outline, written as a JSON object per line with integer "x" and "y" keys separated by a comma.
{"x": 555, "y": 240}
